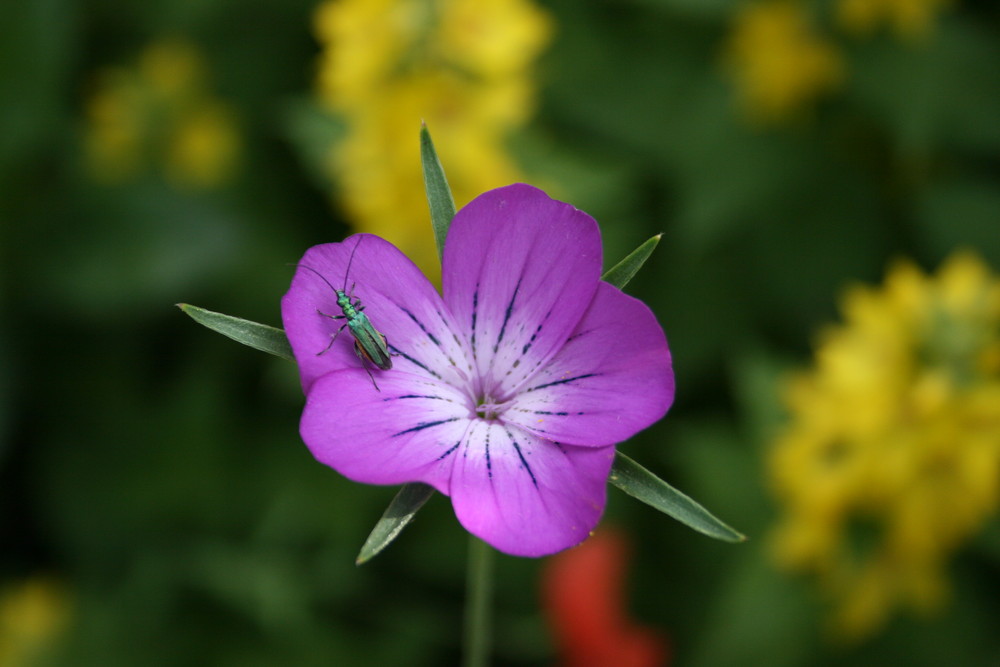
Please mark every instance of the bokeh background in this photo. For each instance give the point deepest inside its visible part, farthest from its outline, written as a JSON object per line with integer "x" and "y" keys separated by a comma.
{"x": 156, "y": 504}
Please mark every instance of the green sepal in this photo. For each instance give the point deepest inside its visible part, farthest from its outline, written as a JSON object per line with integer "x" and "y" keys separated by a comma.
{"x": 258, "y": 336}
{"x": 643, "y": 485}
{"x": 400, "y": 512}
{"x": 439, "y": 198}
{"x": 621, "y": 273}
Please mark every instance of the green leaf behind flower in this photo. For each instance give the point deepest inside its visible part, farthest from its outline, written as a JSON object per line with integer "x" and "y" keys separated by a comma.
{"x": 643, "y": 485}
{"x": 400, "y": 512}
{"x": 621, "y": 273}
{"x": 258, "y": 336}
{"x": 439, "y": 198}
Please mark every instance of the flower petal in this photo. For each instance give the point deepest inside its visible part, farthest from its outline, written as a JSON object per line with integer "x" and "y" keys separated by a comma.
{"x": 407, "y": 432}
{"x": 612, "y": 379}
{"x": 397, "y": 299}
{"x": 519, "y": 271}
{"x": 526, "y": 496}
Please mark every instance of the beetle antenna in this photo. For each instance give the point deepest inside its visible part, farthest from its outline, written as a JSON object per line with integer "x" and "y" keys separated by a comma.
{"x": 322, "y": 277}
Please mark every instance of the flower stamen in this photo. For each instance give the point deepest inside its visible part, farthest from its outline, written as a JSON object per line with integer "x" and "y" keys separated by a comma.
{"x": 490, "y": 409}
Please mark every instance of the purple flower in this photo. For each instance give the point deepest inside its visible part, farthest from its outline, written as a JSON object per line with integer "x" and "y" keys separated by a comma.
{"x": 508, "y": 393}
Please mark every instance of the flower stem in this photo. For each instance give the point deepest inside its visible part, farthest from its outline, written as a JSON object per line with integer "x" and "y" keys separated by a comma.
{"x": 478, "y": 604}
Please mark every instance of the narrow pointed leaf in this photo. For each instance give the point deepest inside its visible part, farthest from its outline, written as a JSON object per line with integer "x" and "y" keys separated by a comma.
{"x": 643, "y": 485}
{"x": 621, "y": 273}
{"x": 439, "y": 198}
{"x": 400, "y": 512}
{"x": 258, "y": 336}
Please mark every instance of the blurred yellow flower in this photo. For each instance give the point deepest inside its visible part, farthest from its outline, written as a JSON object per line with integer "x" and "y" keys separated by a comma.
{"x": 910, "y": 19}
{"x": 463, "y": 66}
{"x": 204, "y": 146}
{"x": 779, "y": 63}
{"x": 891, "y": 457}
{"x": 160, "y": 112}
{"x": 32, "y": 614}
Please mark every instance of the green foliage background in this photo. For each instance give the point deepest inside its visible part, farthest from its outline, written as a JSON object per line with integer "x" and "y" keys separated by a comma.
{"x": 155, "y": 468}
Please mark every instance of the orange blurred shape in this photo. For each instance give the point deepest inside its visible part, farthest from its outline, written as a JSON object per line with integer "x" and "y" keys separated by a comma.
{"x": 583, "y": 594}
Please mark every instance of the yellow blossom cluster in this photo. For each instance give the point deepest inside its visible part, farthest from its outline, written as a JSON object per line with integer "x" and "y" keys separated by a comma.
{"x": 781, "y": 61}
{"x": 891, "y": 460}
{"x": 160, "y": 114}
{"x": 32, "y": 614}
{"x": 465, "y": 67}
{"x": 909, "y": 19}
